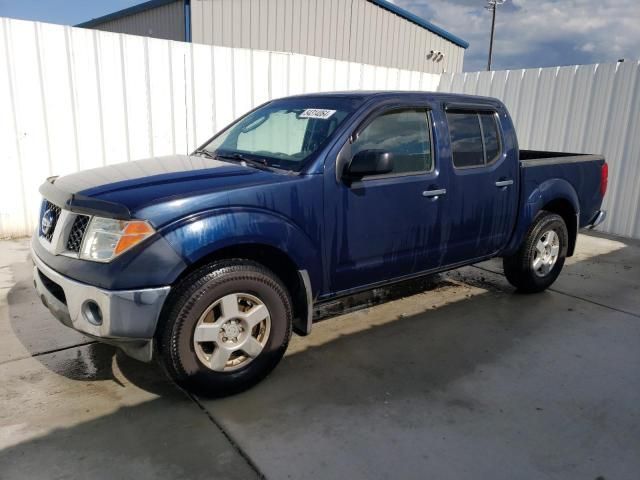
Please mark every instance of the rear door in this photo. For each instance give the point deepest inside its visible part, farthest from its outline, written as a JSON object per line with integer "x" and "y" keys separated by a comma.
{"x": 482, "y": 199}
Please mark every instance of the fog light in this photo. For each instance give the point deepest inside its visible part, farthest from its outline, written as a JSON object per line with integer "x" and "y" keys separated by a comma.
{"x": 92, "y": 312}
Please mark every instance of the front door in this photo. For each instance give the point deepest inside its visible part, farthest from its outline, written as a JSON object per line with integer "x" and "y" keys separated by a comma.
{"x": 387, "y": 226}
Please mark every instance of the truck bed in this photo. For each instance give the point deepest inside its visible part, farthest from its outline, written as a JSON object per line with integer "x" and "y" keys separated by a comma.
{"x": 532, "y": 158}
{"x": 581, "y": 171}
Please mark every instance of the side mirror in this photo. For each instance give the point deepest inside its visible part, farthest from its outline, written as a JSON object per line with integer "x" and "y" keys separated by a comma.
{"x": 369, "y": 162}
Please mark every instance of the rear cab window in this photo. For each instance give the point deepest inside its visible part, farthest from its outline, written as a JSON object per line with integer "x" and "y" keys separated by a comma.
{"x": 475, "y": 138}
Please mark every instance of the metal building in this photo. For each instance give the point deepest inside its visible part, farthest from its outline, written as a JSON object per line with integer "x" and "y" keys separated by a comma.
{"x": 166, "y": 19}
{"x": 375, "y": 32}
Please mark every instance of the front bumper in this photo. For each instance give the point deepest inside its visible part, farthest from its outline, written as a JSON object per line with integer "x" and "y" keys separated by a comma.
{"x": 128, "y": 318}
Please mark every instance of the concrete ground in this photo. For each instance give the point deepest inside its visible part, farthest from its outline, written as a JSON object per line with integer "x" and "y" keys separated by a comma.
{"x": 464, "y": 380}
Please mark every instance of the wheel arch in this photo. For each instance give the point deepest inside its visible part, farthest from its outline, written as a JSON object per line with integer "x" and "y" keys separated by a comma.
{"x": 295, "y": 279}
{"x": 557, "y": 196}
{"x": 254, "y": 234}
{"x": 564, "y": 208}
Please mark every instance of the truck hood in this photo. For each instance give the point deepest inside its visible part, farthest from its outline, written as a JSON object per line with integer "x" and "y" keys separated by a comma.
{"x": 135, "y": 185}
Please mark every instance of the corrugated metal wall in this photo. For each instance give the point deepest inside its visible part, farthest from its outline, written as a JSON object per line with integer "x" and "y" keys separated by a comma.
{"x": 351, "y": 30}
{"x": 583, "y": 109}
{"x": 165, "y": 21}
{"x": 75, "y": 98}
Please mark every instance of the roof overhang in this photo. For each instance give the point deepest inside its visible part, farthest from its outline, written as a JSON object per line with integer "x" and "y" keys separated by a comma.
{"x": 421, "y": 22}
{"x": 141, "y": 7}
{"x": 381, "y": 3}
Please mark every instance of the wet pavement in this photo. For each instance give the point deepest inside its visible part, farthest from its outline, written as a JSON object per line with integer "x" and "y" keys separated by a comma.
{"x": 464, "y": 380}
{"x": 76, "y": 409}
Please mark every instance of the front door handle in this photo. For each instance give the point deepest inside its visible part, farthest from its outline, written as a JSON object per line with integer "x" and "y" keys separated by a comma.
{"x": 434, "y": 193}
{"x": 504, "y": 183}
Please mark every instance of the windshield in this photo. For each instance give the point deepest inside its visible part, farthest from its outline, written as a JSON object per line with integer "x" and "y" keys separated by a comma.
{"x": 284, "y": 133}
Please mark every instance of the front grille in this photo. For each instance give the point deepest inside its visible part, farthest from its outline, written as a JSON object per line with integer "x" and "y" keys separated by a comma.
{"x": 55, "y": 289}
{"x": 77, "y": 233}
{"x": 53, "y": 214}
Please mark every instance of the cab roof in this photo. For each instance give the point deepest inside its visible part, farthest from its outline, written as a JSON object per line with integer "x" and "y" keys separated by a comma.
{"x": 399, "y": 94}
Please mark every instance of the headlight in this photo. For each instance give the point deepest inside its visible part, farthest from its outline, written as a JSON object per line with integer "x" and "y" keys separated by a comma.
{"x": 107, "y": 238}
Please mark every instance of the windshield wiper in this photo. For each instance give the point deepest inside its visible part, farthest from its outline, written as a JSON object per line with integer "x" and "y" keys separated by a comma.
{"x": 259, "y": 163}
{"x": 237, "y": 157}
{"x": 206, "y": 153}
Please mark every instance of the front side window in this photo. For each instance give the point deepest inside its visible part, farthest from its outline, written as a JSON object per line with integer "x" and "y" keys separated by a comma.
{"x": 283, "y": 133}
{"x": 475, "y": 140}
{"x": 403, "y": 133}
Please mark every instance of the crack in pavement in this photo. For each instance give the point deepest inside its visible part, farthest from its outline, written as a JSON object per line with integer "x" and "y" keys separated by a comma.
{"x": 193, "y": 398}
{"x": 227, "y": 435}
{"x": 46, "y": 352}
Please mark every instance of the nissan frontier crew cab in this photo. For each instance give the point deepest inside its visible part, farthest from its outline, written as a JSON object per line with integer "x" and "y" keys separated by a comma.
{"x": 211, "y": 260}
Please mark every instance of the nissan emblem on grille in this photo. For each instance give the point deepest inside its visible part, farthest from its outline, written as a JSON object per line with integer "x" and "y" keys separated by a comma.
{"x": 49, "y": 219}
{"x": 46, "y": 223}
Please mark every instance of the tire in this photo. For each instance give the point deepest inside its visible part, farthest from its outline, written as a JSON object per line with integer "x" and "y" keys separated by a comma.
{"x": 520, "y": 268}
{"x": 203, "y": 302}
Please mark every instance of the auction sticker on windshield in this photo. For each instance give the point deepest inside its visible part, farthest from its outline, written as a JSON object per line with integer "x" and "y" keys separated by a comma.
{"x": 317, "y": 113}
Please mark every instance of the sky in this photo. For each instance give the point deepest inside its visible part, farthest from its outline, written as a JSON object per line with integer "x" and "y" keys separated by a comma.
{"x": 529, "y": 33}
{"x": 538, "y": 33}
{"x": 65, "y": 12}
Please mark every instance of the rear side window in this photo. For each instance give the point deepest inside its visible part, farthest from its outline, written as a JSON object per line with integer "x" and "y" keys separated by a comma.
{"x": 489, "y": 124}
{"x": 404, "y": 133}
{"x": 466, "y": 139}
{"x": 475, "y": 140}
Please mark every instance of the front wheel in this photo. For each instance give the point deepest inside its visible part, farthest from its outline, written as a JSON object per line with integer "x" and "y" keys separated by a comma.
{"x": 539, "y": 260}
{"x": 225, "y": 327}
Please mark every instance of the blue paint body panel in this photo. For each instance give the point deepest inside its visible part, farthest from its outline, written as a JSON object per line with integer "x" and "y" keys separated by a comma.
{"x": 347, "y": 236}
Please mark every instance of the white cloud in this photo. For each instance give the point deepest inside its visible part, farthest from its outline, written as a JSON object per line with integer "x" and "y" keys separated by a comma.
{"x": 534, "y": 33}
{"x": 588, "y": 47}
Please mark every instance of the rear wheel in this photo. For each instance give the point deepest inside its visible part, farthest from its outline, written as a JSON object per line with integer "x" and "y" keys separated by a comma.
{"x": 225, "y": 327}
{"x": 538, "y": 262}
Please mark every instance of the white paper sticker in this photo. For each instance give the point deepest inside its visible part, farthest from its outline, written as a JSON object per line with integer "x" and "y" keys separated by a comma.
{"x": 319, "y": 113}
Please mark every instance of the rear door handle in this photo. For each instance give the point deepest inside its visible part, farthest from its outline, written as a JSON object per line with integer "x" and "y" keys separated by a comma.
{"x": 434, "y": 193}
{"x": 504, "y": 183}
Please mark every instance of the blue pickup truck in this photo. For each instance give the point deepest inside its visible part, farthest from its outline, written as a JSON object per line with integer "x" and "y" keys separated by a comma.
{"x": 209, "y": 261}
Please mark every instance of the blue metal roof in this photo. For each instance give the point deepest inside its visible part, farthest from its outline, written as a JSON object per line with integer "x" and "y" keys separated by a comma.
{"x": 422, "y": 22}
{"x": 141, "y": 7}
{"x": 381, "y": 3}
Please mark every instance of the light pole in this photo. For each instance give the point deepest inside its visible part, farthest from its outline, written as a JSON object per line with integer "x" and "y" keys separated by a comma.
{"x": 492, "y": 5}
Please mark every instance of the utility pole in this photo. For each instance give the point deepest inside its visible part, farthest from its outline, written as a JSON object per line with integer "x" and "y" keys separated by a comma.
{"x": 492, "y": 5}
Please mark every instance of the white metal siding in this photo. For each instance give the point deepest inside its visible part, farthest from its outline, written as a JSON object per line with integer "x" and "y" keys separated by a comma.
{"x": 351, "y": 30}
{"x": 76, "y": 98}
{"x": 166, "y": 21}
{"x": 582, "y": 109}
